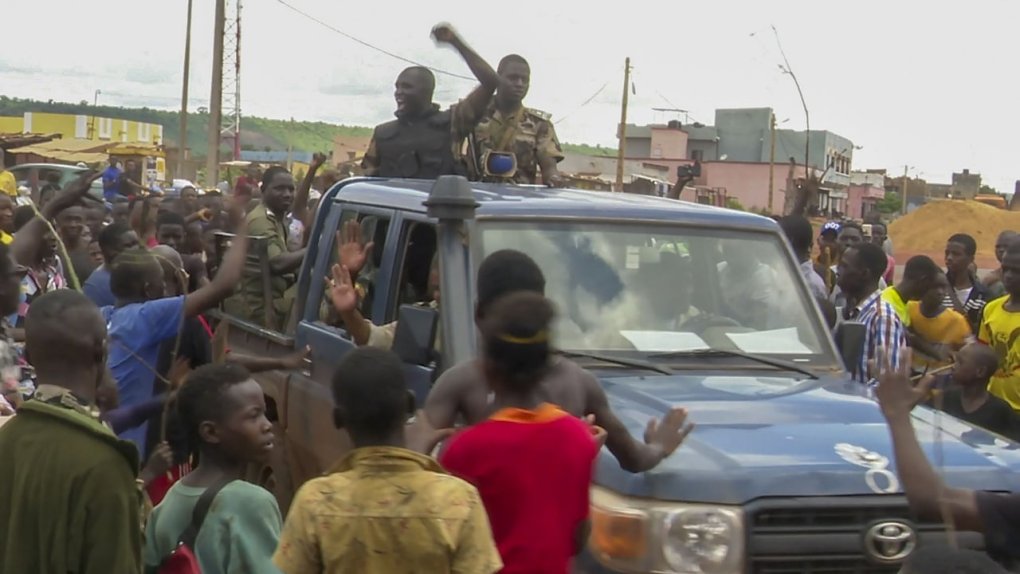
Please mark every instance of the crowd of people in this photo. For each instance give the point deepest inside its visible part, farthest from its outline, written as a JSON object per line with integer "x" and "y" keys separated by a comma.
{"x": 948, "y": 318}
{"x": 126, "y": 439}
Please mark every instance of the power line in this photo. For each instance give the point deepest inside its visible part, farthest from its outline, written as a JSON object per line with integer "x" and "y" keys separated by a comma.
{"x": 372, "y": 46}
{"x": 585, "y": 103}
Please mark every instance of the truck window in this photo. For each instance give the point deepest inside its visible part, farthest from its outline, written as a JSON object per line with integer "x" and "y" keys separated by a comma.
{"x": 645, "y": 289}
{"x": 416, "y": 283}
{"x": 374, "y": 229}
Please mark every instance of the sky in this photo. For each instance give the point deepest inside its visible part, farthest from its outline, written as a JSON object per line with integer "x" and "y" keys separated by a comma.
{"x": 932, "y": 86}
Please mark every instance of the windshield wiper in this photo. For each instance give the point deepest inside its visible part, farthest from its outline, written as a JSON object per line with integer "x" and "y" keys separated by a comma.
{"x": 699, "y": 353}
{"x": 634, "y": 363}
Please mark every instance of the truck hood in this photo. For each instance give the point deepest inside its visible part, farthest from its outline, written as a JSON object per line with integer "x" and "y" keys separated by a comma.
{"x": 768, "y": 435}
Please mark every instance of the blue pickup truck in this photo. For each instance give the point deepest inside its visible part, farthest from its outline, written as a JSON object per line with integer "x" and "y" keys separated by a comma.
{"x": 668, "y": 303}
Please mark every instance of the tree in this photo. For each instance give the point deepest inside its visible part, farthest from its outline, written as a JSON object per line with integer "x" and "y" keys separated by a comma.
{"x": 734, "y": 203}
{"x": 988, "y": 190}
{"x": 891, "y": 203}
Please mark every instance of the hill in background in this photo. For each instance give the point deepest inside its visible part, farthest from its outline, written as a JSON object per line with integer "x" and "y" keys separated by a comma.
{"x": 259, "y": 134}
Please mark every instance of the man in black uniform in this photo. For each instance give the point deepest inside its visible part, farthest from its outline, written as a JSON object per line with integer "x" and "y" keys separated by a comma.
{"x": 424, "y": 142}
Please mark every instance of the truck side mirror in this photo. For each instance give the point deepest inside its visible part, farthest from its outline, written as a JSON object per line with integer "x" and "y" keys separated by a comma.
{"x": 415, "y": 337}
{"x": 850, "y": 342}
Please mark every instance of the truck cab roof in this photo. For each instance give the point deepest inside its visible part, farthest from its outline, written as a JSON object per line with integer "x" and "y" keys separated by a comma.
{"x": 497, "y": 200}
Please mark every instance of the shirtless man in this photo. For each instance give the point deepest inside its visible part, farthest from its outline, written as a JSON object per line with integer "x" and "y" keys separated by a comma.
{"x": 461, "y": 391}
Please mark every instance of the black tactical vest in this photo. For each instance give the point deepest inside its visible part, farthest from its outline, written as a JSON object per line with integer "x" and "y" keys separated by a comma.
{"x": 418, "y": 149}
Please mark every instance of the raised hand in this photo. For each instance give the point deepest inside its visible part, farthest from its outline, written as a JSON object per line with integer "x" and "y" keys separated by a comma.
{"x": 72, "y": 194}
{"x": 443, "y": 33}
{"x": 896, "y": 393}
{"x": 318, "y": 159}
{"x": 341, "y": 290}
{"x": 351, "y": 252}
{"x": 668, "y": 435}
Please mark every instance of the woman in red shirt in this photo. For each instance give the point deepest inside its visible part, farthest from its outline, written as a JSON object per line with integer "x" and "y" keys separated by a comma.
{"x": 531, "y": 462}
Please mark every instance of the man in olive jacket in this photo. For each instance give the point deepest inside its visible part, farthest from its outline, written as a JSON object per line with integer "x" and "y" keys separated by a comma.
{"x": 69, "y": 501}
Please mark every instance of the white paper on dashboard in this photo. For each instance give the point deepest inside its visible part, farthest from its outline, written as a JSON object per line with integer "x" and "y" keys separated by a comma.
{"x": 664, "y": 341}
{"x": 774, "y": 342}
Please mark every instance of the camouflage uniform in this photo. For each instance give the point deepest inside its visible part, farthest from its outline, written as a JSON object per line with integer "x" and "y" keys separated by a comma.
{"x": 527, "y": 133}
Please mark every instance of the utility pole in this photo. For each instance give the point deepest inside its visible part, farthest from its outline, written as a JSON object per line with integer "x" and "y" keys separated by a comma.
{"x": 92, "y": 124}
{"x": 620, "y": 153}
{"x": 903, "y": 207}
{"x": 212, "y": 166}
{"x": 772, "y": 160}
{"x": 182, "y": 145}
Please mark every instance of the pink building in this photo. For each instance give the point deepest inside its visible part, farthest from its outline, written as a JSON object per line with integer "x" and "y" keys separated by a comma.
{"x": 747, "y": 182}
{"x": 864, "y": 192}
{"x": 862, "y": 200}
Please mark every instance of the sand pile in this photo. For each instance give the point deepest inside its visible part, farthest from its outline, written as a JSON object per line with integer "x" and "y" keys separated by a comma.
{"x": 926, "y": 229}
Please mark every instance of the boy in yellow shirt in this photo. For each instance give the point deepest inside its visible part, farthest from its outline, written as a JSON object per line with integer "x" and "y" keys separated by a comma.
{"x": 935, "y": 331}
{"x": 1000, "y": 329}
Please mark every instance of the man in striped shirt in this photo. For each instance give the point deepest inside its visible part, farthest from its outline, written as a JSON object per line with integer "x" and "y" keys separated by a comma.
{"x": 967, "y": 294}
{"x": 860, "y": 271}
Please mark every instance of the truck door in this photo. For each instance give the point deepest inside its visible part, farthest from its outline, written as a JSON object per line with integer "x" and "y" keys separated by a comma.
{"x": 416, "y": 282}
{"x": 310, "y": 431}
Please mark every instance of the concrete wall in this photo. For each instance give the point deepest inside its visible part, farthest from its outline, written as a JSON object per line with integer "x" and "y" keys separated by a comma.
{"x": 709, "y": 149}
{"x": 867, "y": 178}
{"x": 748, "y": 183}
{"x": 744, "y": 133}
{"x": 668, "y": 143}
{"x": 824, "y": 146}
{"x": 638, "y": 147}
{"x": 966, "y": 184}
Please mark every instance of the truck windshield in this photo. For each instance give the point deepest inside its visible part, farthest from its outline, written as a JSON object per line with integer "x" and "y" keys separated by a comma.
{"x": 650, "y": 289}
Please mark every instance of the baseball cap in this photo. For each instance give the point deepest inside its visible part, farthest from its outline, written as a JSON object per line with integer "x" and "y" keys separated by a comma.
{"x": 831, "y": 226}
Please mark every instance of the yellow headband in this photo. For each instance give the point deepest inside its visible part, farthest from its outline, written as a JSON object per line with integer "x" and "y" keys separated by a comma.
{"x": 539, "y": 337}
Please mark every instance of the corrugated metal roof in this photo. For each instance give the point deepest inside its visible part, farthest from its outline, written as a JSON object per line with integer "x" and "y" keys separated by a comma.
{"x": 21, "y": 140}
{"x": 65, "y": 145}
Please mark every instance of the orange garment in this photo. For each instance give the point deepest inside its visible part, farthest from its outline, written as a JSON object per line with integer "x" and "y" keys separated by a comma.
{"x": 949, "y": 328}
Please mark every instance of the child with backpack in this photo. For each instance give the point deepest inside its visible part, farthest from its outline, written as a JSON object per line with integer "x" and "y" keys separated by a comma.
{"x": 211, "y": 519}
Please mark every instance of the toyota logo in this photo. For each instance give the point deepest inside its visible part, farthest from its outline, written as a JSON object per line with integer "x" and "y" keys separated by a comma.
{"x": 889, "y": 541}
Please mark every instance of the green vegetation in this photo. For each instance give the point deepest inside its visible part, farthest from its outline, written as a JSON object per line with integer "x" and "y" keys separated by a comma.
{"x": 585, "y": 149}
{"x": 734, "y": 203}
{"x": 260, "y": 134}
{"x": 257, "y": 133}
{"x": 891, "y": 203}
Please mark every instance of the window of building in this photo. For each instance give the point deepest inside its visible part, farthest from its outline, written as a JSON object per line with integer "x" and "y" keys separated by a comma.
{"x": 697, "y": 154}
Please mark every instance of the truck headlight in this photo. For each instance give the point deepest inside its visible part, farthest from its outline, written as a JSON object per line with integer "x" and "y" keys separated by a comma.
{"x": 638, "y": 535}
{"x": 703, "y": 539}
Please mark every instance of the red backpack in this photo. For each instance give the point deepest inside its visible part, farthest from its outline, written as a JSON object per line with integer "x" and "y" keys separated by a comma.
{"x": 182, "y": 559}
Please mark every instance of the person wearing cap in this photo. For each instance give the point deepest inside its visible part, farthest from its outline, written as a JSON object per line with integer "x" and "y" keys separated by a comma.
{"x": 828, "y": 256}
{"x": 8, "y": 184}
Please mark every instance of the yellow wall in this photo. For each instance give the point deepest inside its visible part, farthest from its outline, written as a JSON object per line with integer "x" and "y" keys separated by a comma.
{"x": 84, "y": 127}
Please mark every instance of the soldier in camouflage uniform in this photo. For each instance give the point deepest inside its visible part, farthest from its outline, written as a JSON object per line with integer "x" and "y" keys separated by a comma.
{"x": 512, "y": 142}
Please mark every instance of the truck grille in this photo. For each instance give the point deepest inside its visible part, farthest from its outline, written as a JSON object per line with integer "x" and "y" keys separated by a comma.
{"x": 849, "y": 565}
{"x": 827, "y": 535}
